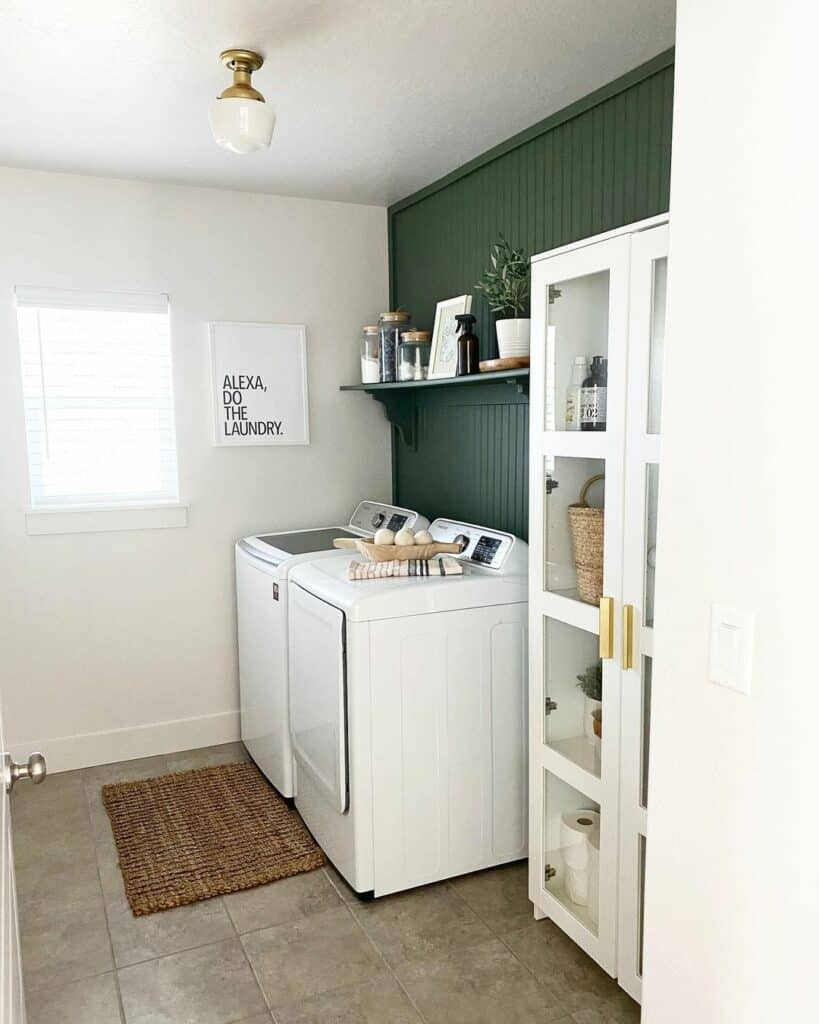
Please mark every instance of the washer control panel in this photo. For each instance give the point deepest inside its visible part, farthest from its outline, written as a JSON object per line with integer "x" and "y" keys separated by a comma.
{"x": 489, "y": 548}
{"x": 370, "y": 516}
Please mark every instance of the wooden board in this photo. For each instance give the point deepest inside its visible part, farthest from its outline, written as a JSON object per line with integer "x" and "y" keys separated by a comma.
{"x": 512, "y": 363}
{"x": 391, "y": 552}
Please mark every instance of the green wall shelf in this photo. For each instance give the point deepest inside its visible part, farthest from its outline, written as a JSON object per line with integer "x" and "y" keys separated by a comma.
{"x": 603, "y": 162}
{"x": 520, "y": 378}
{"x": 399, "y": 403}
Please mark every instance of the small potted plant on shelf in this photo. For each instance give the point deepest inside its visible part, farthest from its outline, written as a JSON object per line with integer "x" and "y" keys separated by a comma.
{"x": 506, "y": 287}
{"x": 591, "y": 683}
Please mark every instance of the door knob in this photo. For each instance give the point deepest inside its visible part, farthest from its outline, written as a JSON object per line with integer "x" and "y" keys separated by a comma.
{"x": 34, "y": 769}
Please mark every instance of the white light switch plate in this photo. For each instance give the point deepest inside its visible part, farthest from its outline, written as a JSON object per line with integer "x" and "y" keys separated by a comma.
{"x": 732, "y": 644}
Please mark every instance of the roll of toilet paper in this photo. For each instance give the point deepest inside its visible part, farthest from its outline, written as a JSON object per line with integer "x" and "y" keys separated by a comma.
{"x": 577, "y": 886}
{"x": 593, "y": 871}
{"x": 575, "y": 829}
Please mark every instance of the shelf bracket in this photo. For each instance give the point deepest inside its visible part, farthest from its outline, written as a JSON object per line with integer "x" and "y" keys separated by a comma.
{"x": 399, "y": 408}
{"x": 521, "y": 384}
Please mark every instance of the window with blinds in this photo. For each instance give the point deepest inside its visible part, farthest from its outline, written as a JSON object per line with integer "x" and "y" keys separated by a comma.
{"x": 98, "y": 394}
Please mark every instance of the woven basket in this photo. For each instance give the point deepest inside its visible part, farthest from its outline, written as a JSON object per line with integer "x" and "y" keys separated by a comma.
{"x": 586, "y": 528}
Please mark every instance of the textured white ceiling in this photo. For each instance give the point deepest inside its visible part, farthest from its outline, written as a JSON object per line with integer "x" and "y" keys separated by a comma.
{"x": 374, "y": 99}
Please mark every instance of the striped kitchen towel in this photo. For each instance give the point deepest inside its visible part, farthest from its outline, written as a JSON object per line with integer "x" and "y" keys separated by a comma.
{"x": 422, "y": 568}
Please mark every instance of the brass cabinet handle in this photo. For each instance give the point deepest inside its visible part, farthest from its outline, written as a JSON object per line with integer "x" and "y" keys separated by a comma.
{"x": 628, "y": 636}
{"x": 606, "y": 627}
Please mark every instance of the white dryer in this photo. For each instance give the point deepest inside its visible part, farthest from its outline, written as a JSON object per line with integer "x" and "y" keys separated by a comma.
{"x": 408, "y": 713}
{"x": 263, "y": 564}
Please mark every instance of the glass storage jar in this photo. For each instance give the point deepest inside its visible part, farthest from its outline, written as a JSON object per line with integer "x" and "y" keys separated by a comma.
{"x": 413, "y": 355}
{"x": 370, "y": 361}
{"x": 391, "y": 326}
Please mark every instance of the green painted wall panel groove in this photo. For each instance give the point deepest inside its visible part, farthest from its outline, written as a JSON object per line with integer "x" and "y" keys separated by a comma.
{"x": 601, "y": 163}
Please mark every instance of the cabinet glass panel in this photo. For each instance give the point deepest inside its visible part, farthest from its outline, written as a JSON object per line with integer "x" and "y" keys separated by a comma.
{"x": 573, "y": 689}
{"x": 577, "y": 332}
{"x": 573, "y": 541}
{"x": 650, "y": 556}
{"x": 572, "y": 844}
{"x": 641, "y": 874}
{"x": 645, "y": 728}
{"x": 655, "y": 362}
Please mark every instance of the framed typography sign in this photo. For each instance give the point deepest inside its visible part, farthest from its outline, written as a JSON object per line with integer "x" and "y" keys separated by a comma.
{"x": 259, "y": 384}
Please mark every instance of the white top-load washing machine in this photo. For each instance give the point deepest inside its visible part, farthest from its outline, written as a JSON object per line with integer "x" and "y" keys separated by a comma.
{"x": 408, "y": 713}
{"x": 262, "y": 567}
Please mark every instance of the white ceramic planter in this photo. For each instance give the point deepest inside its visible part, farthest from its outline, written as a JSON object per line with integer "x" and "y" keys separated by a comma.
{"x": 590, "y": 706}
{"x": 513, "y": 337}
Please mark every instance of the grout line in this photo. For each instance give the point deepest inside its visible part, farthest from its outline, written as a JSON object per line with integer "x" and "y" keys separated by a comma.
{"x": 176, "y": 952}
{"x": 386, "y": 964}
{"x": 253, "y": 971}
{"x": 451, "y": 889}
{"x": 496, "y": 934}
{"x": 120, "y": 1003}
{"x": 502, "y": 938}
{"x": 226, "y": 909}
{"x": 66, "y": 981}
{"x": 93, "y": 838}
{"x": 337, "y": 888}
{"x": 283, "y": 924}
{"x": 337, "y": 988}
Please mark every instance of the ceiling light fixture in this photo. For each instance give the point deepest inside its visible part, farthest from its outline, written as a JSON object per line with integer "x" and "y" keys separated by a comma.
{"x": 240, "y": 119}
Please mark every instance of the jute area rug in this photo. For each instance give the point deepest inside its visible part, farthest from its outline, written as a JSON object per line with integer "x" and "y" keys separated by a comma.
{"x": 202, "y": 833}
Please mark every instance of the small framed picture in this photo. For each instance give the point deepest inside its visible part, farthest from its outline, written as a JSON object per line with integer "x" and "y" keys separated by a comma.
{"x": 443, "y": 356}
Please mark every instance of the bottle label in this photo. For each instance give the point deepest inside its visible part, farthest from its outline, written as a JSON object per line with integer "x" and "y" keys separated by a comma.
{"x": 572, "y": 409}
{"x": 593, "y": 405}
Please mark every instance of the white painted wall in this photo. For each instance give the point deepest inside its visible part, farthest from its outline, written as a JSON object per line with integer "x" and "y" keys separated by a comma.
{"x": 733, "y": 869}
{"x": 117, "y": 631}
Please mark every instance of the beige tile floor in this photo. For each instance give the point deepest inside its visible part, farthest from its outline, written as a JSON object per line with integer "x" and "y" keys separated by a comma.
{"x": 300, "y": 951}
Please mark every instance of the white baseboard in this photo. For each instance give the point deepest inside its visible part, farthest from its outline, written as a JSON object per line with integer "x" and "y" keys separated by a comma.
{"x": 65, "y": 753}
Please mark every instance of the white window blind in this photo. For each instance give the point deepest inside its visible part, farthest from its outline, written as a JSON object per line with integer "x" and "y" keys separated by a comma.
{"x": 97, "y": 387}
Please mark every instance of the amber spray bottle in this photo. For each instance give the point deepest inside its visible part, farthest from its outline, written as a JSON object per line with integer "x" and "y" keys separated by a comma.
{"x": 467, "y": 346}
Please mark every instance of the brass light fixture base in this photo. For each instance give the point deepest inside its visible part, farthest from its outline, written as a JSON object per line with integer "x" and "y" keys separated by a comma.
{"x": 242, "y": 63}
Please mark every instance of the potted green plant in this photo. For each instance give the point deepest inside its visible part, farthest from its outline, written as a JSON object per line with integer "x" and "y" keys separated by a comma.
{"x": 506, "y": 287}
{"x": 591, "y": 683}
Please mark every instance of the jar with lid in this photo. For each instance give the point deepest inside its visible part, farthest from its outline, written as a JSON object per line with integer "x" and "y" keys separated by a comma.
{"x": 413, "y": 355}
{"x": 370, "y": 361}
{"x": 391, "y": 326}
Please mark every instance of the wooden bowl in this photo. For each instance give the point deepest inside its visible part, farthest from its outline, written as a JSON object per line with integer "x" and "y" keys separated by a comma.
{"x": 396, "y": 552}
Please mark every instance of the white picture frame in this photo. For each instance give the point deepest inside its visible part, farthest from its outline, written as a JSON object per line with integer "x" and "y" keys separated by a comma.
{"x": 443, "y": 354}
{"x": 259, "y": 391}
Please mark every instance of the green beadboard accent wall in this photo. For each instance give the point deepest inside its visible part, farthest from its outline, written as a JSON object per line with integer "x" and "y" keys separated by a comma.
{"x": 601, "y": 163}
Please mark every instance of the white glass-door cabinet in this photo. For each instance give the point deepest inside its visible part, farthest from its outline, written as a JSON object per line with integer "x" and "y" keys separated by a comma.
{"x": 594, "y": 477}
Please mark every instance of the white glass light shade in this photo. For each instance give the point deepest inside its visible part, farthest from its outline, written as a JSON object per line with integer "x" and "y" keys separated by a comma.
{"x": 242, "y": 125}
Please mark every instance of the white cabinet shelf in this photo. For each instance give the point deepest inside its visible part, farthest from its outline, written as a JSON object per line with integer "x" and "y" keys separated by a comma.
{"x": 580, "y": 752}
{"x": 576, "y": 444}
{"x": 602, "y": 297}
{"x": 585, "y": 779}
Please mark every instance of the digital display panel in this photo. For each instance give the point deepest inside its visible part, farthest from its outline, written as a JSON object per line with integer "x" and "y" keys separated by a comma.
{"x": 486, "y": 549}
